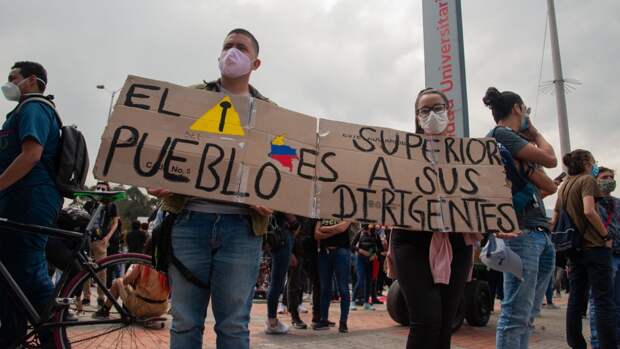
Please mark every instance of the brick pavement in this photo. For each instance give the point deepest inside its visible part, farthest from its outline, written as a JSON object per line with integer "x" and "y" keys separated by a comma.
{"x": 368, "y": 329}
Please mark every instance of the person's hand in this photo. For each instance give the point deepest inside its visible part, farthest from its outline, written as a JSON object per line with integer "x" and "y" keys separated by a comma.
{"x": 262, "y": 210}
{"x": 372, "y": 258}
{"x": 159, "y": 192}
{"x": 293, "y": 262}
{"x": 508, "y": 236}
{"x": 608, "y": 243}
{"x": 531, "y": 133}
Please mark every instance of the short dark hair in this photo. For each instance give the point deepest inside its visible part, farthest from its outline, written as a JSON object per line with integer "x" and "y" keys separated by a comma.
{"x": 28, "y": 69}
{"x": 427, "y": 91}
{"x": 135, "y": 225}
{"x": 602, "y": 169}
{"x": 500, "y": 103}
{"x": 103, "y": 183}
{"x": 576, "y": 161}
{"x": 248, "y": 34}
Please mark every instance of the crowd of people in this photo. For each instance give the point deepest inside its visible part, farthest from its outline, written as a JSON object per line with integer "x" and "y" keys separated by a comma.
{"x": 218, "y": 246}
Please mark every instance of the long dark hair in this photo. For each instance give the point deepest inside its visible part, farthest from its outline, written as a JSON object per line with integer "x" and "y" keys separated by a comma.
{"x": 427, "y": 91}
{"x": 500, "y": 103}
{"x": 576, "y": 161}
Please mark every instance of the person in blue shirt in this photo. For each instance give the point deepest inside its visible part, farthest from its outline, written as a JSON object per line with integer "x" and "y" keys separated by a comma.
{"x": 29, "y": 141}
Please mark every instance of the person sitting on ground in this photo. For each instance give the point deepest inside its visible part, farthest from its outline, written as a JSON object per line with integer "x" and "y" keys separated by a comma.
{"x": 136, "y": 238}
{"x": 143, "y": 290}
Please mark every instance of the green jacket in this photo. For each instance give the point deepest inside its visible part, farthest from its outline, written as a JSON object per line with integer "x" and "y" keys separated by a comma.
{"x": 176, "y": 202}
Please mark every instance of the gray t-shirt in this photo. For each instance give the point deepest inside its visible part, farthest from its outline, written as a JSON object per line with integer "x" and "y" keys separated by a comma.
{"x": 534, "y": 215}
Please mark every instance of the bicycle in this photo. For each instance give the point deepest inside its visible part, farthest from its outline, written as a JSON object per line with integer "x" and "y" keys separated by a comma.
{"x": 65, "y": 315}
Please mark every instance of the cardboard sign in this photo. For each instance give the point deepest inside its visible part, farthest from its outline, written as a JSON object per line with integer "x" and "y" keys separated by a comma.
{"x": 243, "y": 150}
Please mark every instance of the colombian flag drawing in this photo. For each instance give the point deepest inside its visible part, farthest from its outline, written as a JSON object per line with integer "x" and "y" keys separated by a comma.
{"x": 283, "y": 153}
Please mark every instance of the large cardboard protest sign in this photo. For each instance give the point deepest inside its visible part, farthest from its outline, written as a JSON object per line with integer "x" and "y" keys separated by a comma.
{"x": 240, "y": 149}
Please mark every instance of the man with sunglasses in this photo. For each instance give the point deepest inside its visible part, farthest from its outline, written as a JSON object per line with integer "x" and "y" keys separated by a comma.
{"x": 107, "y": 224}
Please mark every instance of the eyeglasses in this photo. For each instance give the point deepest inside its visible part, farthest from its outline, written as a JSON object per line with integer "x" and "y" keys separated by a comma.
{"x": 437, "y": 108}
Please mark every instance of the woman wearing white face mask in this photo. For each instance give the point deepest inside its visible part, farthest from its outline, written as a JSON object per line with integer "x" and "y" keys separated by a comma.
{"x": 432, "y": 268}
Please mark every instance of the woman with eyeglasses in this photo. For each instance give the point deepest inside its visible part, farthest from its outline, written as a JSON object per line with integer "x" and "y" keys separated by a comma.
{"x": 432, "y": 287}
{"x": 591, "y": 267}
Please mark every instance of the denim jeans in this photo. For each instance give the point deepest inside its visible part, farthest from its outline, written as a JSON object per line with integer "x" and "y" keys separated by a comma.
{"x": 280, "y": 260}
{"x": 591, "y": 269}
{"x": 222, "y": 251}
{"x": 364, "y": 277}
{"x": 615, "y": 267}
{"x": 330, "y": 262}
{"x": 523, "y": 299}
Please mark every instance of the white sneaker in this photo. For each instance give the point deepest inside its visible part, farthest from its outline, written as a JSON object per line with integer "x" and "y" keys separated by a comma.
{"x": 368, "y": 306}
{"x": 279, "y": 328}
{"x": 302, "y": 309}
{"x": 281, "y": 308}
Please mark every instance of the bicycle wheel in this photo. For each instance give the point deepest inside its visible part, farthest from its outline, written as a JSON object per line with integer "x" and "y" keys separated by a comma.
{"x": 80, "y": 330}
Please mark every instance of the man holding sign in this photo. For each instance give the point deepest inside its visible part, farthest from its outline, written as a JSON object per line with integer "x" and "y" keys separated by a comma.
{"x": 218, "y": 243}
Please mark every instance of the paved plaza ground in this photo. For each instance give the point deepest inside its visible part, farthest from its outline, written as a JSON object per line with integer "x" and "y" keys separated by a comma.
{"x": 375, "y": 329}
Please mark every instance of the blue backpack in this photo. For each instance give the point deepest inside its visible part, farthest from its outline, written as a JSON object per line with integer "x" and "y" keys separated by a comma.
{"x": 523, "y": 191}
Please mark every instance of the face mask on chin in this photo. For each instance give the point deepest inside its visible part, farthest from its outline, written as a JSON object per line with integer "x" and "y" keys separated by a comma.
{"x": 434, "y": 123}
{"x": 234, "y": 63}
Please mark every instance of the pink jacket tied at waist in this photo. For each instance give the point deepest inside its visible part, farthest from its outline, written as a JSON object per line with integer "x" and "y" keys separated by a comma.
{"x": 440, "y": 255}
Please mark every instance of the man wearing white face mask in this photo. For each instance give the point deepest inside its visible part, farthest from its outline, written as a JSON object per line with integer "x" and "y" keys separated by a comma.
{"x": 29, "y": 141}
{"x": 217, "y": 243}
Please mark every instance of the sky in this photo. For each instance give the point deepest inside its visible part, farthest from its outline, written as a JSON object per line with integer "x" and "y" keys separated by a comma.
{"x": 350, "y": 60}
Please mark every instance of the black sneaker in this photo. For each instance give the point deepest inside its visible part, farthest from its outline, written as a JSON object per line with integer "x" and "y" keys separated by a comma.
{"x": 331, "y": 323}
{"x": 343, "y": 327}
{"x": 299, "y": 324}
{"x": 321, "y": 325}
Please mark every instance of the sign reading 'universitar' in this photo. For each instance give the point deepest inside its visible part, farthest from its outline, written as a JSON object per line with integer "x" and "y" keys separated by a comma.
{"x": 240, "y": 149}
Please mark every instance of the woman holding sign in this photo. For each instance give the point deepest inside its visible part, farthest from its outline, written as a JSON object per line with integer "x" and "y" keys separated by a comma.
{"x": 432, "y": 268}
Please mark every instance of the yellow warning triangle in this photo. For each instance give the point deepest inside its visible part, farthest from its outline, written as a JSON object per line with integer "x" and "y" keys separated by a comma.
{"x": 221, "y": 119}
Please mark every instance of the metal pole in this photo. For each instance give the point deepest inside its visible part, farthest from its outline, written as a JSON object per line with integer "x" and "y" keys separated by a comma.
{"x": 558, "y": 81}
{"x": 111, "y": 102}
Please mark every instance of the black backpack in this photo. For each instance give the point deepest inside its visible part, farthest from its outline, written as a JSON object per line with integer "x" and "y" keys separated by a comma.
{"x": 72, "y": 159}
{"x": 565, "y": 236}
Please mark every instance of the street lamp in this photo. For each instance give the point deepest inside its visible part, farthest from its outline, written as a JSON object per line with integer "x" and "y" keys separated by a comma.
{"x": 112, "y": 93}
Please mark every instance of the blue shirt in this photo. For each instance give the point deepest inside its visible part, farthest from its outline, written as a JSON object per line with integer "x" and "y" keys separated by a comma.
{"x": 36, "y": 121}
{"x": 534, "y": 215}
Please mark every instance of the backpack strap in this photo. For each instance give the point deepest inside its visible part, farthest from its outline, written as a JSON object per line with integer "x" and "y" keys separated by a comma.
{"x": 40, "y": 99}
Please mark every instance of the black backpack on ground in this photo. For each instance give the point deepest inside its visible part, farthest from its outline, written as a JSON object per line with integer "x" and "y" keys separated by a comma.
{"x": 72, "y": 159}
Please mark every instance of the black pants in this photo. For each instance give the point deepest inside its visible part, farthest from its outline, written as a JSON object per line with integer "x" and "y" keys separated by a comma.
{"x": 431, "y": 307}
{"x": 310, "y": 267}
{"x": 591, "y": 268}
{"x": 496, "y": 285}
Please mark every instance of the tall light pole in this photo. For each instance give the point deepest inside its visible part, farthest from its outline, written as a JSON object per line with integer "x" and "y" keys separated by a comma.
{"x": 112, "y": 93}
{"x": 558, "y": 81}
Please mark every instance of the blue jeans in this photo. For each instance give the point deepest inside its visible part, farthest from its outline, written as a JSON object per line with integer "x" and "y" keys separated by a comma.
{"x": 523, "y": 299}
{"x": 222, "y": 251}
{"x": 615, "y": 267}
{"x": 337, "y": 261}
{"x": 280, "y": 260}
{"x": 364, "y": 276}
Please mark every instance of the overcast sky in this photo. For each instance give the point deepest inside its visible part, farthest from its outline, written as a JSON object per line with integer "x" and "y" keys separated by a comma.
{"x": 357, "y": 61}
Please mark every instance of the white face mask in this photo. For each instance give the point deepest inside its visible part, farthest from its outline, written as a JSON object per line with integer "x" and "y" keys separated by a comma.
{"x": 234, "y": 63}
{"x": 12, "y": 92}
{"x": 434, "y": 123}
